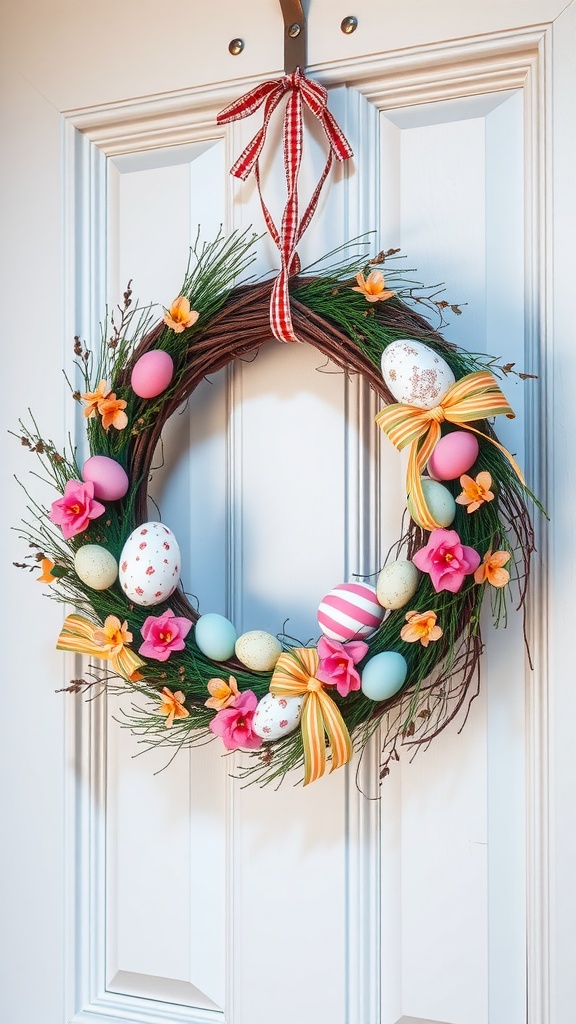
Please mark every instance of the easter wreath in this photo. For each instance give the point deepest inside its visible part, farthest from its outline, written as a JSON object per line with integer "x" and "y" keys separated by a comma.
{"x": 403, "y": 654}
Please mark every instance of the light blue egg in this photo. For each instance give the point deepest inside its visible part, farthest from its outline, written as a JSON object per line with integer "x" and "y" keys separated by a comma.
{"x": 215, "y": 636}
{"x": 383, "y": 675}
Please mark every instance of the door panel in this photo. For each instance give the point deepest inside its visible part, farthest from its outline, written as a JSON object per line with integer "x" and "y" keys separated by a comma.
{"x": 410, "y": 908}
{"x": 243, "y": 430}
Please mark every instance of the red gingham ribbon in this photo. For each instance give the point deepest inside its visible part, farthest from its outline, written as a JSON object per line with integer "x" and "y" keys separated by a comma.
{"x": 299, "y": 88}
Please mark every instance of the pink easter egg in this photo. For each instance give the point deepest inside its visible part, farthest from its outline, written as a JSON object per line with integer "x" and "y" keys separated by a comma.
{"x": 350, "y": 611}
{"x": 109, "y": 479}
{"x": 152, "y": 373}
{"x": 454, "y": 454}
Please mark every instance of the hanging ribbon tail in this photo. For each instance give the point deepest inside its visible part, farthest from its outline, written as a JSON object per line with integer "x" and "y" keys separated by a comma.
{"x": 270, "y": 93}
{"x": 477, "y": 396}
{"x": 126, "y": 664}
{"x": 295, "y": 676}
{"x": 312, "y": 725}
{"x": 300, "y": 89}
{"x": 77, "y": 637}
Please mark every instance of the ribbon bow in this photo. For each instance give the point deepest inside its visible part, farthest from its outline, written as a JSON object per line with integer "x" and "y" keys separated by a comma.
{"x": 300, "y": 89}
{"x": 78, "y": 635}
{"x": 294, "y": 676}
{"x": 474, "y": 397}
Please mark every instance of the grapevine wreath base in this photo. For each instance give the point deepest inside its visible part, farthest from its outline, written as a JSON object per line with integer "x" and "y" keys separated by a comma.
{"x": 335, "y": 696}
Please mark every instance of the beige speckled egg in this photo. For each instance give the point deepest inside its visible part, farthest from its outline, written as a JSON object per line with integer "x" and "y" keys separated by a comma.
{"x": 258, "y": 650}
{"x": 277, "y": 716}
{"x": 96, "y": 566}
{"x": 415, "y": 374}
{"x": 150, "y": 564}
{"x": 397, "y": 584}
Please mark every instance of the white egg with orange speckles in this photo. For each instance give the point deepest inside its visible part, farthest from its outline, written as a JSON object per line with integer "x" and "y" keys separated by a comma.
{"x": 415, "y": 374}
{"x": 276, "y": 717}
{"x": 150, "y": 565}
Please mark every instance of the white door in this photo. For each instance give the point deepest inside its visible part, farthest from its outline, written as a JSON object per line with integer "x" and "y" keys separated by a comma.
{"x": 323, "y": 905}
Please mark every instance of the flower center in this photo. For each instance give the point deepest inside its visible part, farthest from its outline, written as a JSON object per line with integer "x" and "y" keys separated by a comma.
{"x": 241, "y": 723}
{"x": 165, "y": 637}
{"x": 448, "y": 557}
{"x": 75, "y": 508}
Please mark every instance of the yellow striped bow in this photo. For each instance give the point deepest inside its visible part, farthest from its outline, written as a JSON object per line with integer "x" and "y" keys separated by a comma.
{"x": 80, "y": 636}
{"x": 474, "y": 397}
{"x": 294, "y": 676}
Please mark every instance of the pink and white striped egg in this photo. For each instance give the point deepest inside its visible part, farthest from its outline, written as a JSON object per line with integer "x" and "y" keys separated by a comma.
{"x": 350, "y": 611}
{"x": 149, "y": 564}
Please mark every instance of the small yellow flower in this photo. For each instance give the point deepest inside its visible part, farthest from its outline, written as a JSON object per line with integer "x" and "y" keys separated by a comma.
{"x": 475, "y": 492}
{"x": 222, "y": 694}
{"x": 180, "y": 316}
{"x": 172, "y": 705}
{"x": 46, "y": 574}
{"x": 113, "y": 635}
{"x": 420, "y": 626}
{"x": 491, "y": 569}
{"x": 373, "y": 287}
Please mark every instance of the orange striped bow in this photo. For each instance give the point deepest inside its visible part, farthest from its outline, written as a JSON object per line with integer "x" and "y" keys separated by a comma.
{"x": 294, "y": 675}
{"x": 474, "y": 397}
{"x": 80, "y": 636}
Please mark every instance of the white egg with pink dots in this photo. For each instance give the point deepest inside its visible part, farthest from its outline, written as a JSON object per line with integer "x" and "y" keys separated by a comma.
{"x": 150, "y": 565}
{"x": 277, "y": 716}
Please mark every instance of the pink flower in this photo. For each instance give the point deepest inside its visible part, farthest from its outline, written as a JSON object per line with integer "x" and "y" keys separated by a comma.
{"x": 447, "y": 560}
{"x": 163, "y": 634}
{"x": 74, "y": 510}
{"x": 234, "y": 723}
{"x": 337, "y": 664}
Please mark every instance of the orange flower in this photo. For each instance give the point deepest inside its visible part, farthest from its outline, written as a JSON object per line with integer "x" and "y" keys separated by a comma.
{"x": 172, "y": 705}
{"x": 104, "y": 402}
{"x": 373, "y": 287}
{"x": 93, "y": 398}
{"x": 475, "y": 492}
{"x": 491, "y": 569}
{"x": 113, "y": 635}
{"x": 421, "y": 626}
{"x": 46, "y": 574}
{"x": 180, "y": 316}
{"x": 112, "y": 412}
{"x": 223, "y": 694}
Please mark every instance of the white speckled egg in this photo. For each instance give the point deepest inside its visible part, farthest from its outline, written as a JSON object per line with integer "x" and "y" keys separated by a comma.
{"x": 150, "y": 564}
{"x": 415, "y": 374}
{"x": 277, "y": 716}
{"x": 397, "y": 584}
{"x": 96, "y": 566}
{"x": 258, "y": 650}
{"x": 441, "y": 504}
